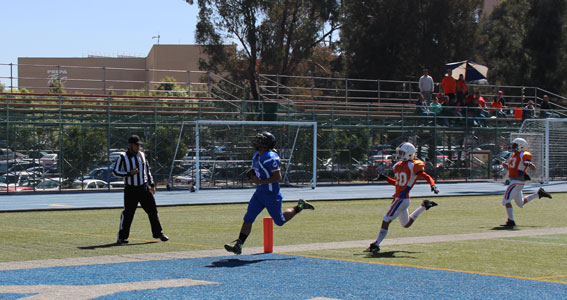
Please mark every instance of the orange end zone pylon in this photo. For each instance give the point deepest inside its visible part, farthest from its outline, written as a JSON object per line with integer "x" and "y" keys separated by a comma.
{"x": 268, "y": 235}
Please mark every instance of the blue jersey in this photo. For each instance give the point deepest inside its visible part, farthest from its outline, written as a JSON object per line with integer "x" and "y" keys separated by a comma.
{"x": 264, "y": 165}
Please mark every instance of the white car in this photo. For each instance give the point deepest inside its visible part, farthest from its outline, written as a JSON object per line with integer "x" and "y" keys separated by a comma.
{"x": 182, "y": 181}
{"x": 113, "y": 156}
{"x": 117, "y": 184}
{"x": 49, "y": 161}
{"x": 89, "y": 184}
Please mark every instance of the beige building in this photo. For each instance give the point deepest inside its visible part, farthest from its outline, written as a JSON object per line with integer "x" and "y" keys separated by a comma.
{"x": 102, "y": 75}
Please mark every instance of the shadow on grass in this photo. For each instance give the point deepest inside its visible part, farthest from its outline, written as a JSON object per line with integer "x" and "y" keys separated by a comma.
{"x": 512, "y": 228}
{"x": 114, "y": 245}
{"x": 504, "y": 228}
{"x": 235, "y": 262}
{"x": 389, "y": 254}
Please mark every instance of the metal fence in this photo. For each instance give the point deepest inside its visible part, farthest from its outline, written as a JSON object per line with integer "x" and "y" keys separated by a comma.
{"x": 349, "y": 90}
{"x": 66, "y": 141}
{"x": 59, "y": 142}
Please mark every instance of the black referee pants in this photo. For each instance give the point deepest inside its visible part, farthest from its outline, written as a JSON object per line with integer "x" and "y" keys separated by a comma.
{"x": 132, "y": 196}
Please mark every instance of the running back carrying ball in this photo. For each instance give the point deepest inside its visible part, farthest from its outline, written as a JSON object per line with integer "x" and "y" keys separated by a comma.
{"x": 266, "y": 175}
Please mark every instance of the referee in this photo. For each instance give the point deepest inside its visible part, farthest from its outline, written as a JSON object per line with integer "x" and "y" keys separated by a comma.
{"x": 139, "y": 188}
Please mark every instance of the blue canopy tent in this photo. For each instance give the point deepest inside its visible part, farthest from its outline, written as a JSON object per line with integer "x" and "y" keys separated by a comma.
{"x": 470, "y": 70}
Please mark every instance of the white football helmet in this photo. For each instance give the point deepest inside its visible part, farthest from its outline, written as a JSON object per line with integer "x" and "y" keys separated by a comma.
{"x": 405, "y": 152}
{"x": 519, "y": 144}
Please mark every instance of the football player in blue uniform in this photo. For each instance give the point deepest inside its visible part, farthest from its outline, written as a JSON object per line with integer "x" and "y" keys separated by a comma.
{"x": 266, "y": 175}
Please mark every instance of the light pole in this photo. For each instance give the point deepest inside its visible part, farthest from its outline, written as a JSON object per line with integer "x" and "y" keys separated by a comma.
{"x": 156, "y": 37}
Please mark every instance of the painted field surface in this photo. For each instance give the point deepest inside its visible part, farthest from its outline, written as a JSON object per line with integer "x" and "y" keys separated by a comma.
{"x": 264, "y": 276}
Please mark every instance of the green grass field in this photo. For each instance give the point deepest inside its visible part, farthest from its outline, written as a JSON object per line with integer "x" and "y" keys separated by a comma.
{"x": 82, "y": 233}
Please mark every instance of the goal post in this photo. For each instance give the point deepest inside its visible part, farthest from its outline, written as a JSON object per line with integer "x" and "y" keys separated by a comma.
{"x": 227, "y": 145}
{"x": 553, "y": 133}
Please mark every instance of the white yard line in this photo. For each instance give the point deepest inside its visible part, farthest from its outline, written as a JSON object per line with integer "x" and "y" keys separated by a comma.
{"x": 110, "y": 259}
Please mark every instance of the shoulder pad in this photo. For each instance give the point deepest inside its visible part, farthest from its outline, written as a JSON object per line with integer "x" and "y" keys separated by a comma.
{"x": 418, "y": 165}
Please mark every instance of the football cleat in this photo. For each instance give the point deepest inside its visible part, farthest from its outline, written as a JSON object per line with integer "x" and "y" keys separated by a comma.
{"x": 162, "y": 237}
{"x": 428, "y": 204}
{"x": 236, "y": 248}
{"x": 373, "y": 248}
{"x": 122, "y": 241}
{"x": 509, "y": 223}
{"x": 302, "y": 204}
{"x": 542, "y": 193}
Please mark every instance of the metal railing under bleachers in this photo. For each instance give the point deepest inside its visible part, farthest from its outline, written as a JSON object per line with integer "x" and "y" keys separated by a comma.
{"x": 349, "y": 90}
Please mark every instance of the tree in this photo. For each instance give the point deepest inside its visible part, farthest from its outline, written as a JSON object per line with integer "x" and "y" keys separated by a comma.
{"x": 1, "y": 88}
{"x": 525, "y": 43}
{"x": 279, "y": 34}
{"x": 389, "y": 39}
{"x": 56, "y": 86}
{"x": 169, "y": 87}
{"x": 83, "y": 147}
{"x": 165, "y": 147}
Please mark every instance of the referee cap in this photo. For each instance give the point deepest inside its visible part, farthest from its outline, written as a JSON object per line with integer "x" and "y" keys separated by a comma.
{"x": 134, "y": 139}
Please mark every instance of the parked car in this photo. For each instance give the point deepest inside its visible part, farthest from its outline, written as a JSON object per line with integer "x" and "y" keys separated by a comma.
{"x": 8, "y": 154}
{"x": 22, "y": 165}
{"x": 376, "y": 165}
{"x": 19, "y": 179}
{"x": 37, "y": 170}
{"x": 117, "y": 184}
{"x": 12, "y": 188}
{"x": 49, "y": 161}
{"x": 50, "y": 173}
{"x": 113, "y": 156}
{"x": 37, "y": 154}
{"x": 182, "y": 181}
{"x": 48, "y": 184}
{"x": 496, "y": 168}
{"x": 186, "y": 179}
{"x": 104, "y": 174}
{"x": 90, "y": 184}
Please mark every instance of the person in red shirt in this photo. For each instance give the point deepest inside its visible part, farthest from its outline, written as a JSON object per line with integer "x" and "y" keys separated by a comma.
{"x": 517, "y": 165}
{"x": 479, "y": 109}
{"x": 406, "y": 172}
{"x": 449, "y": 85}
{"x": 480, "y": 100}
{"x": 462, "y": 90}
{"x": 497, "y": 105}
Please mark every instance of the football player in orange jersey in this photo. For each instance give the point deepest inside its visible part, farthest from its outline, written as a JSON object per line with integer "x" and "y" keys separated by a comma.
{"x": 518, "y": 163}
{"x": 406, "y": 172}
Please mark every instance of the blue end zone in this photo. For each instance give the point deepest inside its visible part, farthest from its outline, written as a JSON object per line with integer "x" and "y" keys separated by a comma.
{"x": 273, "y": 276}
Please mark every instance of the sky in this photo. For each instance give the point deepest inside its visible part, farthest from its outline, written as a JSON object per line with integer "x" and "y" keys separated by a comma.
{"x": 76, "y": 28}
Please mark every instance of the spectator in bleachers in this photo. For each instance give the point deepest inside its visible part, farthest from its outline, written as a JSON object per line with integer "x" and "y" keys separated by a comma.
{"x": 422, "y": 109}
{"x": 479, "y": 113}
{"x": 426, "y": 86}
{"x": 462, "y": 90}
{"x": 470, "y": 104}
{"x": 481, "y": 110}
{"x": 436, "y": 108}
{"x": 481, "y": 102}
{"x": 497, "y": 106}
{"x": 452, "y": 109}
{"x": 528, "y": 112}
{"x": 469, "y": 99}
{"x": 545, "y": 108}
{"x": 449, "y": 85}
{"x": 500, "y": 96}
{"x": 440, "y": 99}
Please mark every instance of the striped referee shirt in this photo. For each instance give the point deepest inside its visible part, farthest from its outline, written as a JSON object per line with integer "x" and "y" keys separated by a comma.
{"x": 127, "y": 162}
